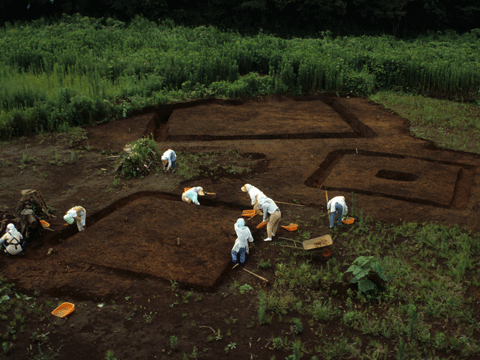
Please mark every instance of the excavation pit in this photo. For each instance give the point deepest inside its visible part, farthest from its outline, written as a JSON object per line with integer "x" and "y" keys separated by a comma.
{"x": 151, "y": 236}
{"x": 252, "y": 120}
{"x": 403, "y": 178}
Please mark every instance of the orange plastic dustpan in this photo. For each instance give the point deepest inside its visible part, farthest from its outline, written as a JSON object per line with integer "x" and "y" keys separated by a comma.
{"x": 63, "y": 310}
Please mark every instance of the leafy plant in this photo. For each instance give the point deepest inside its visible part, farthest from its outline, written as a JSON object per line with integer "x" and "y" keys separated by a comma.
{"x": 265, "y": 264}
{"x": 230, "y": 346}
{"x": 173, "y": 342}
{"x": 362, "y": 268}
{"x": 142, "y": 157}
{"x": 110, "y": 355}
{"x": 297, "y": 325}
{"x": 244, "y": 288}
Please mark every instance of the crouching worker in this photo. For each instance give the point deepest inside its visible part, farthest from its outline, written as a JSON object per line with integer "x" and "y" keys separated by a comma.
{"x": 12, "y": 240}
{"x": 255, "y": 194}
{"x": 78, "y": 214}
{"x": 191, "y": 195}
{"x": 337, "y": 205}
{"x": 272, "y": 214}
{"x": 168, "y": 160}
{"x": 240, "y": 249}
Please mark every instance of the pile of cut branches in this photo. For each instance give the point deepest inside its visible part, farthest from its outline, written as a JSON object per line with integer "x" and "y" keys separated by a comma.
{"x": 139, "y": 158}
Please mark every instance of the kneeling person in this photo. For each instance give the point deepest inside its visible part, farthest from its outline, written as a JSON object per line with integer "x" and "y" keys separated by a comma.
{"x": 191, "y": 195}
{"x": 78, "y": 214}
{"x": 240, "y": 248}
{"x": 12, "y": 240}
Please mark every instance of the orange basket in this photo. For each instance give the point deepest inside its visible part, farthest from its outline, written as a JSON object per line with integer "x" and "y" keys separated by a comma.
{"x": 44, "y": 223}
{"x": 248, "y": 213}
{"x": 186, "y": 189}
{"x": 64, "y": 310}
{"x": 291, "y": 227}
{"x": 348, "y": 221}
{"x": 262, "y": 225}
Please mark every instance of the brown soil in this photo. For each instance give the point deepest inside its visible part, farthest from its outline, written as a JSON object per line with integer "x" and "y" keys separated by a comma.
{"x": 141, "y": 240}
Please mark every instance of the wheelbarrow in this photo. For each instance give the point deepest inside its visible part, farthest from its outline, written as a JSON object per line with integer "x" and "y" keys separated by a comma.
{"x": 315, "y": 246}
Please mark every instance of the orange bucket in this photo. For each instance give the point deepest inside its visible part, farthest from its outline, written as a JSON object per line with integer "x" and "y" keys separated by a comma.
{"x": 348, "y": 221}
{"x": 291, "y": 227}
{"x": 64, "y": 310}
{"x": 262, "y": 225}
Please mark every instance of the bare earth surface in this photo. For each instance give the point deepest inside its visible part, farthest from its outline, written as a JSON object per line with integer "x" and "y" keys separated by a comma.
{"x": 141, "y": 240}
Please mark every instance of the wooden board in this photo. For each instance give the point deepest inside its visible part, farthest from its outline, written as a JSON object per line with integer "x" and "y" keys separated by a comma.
{"x": 317, "y": 242}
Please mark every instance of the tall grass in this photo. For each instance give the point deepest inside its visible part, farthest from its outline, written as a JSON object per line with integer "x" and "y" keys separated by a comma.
{"x": 111, "y": 69}
{"x": 449, "y": 124}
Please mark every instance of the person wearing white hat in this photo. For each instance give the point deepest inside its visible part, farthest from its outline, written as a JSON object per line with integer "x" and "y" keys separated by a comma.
{"x": 240, "y": 248}
{"x": 12, "y": 240}
{"x": 168, "y": 159}
{"x": 255, "y": 194}
{"x": 77, "y": 214}
{"x": 191, "y": 195}
{"x": 272, "y": 214}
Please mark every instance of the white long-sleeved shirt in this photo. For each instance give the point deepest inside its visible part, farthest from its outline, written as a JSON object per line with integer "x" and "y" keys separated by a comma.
{"x": 255, "y": 194}
{"x": 341, "y": 201}
{"x": 170, "y": 156}
{"x": 192, "y": 194}
{"x": 244, "y": 236}
{"x": 268, "y": 206}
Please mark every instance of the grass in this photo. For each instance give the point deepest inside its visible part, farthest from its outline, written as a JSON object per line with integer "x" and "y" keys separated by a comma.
{"x": 428, "y": 268}
{"x": 216, "y": 164}
{"x": 78, "y": 71}
{"x": 448, "y": 124}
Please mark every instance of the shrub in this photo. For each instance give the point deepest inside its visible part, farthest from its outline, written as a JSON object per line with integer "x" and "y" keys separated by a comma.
{"x": 362, "y": 268}
{"x": 143, "y": 157}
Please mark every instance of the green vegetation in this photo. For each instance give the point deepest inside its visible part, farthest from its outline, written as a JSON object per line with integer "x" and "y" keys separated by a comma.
{"x": 429, "y": 268}
{"x": 141, "y": 158}
{"x": 81, "y": 71}
{"x": 362, "y": 269}
{"x": 449, "y": 124}
{"x": 212, "y": 164}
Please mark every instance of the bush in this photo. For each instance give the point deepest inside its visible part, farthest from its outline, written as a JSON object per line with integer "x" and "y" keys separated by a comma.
{"x": 362, "y": 268}
{"x": 142, "y": 157}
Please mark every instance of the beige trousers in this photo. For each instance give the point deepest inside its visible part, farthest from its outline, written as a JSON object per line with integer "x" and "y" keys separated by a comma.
{"x": 273, "y": 222}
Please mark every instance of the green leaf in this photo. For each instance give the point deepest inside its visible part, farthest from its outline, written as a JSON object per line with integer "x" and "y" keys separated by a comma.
{"x": 365, "y": 285}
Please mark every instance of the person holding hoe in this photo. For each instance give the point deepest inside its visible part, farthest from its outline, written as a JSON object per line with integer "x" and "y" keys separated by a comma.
{"x": 337, "y": 205}
{"x": 271, "y": 214}
{"x": 255, "y": 194}
{"x": 168, "y": 160}
{"x": 240, "y": 248}
{"x": 78, "y": 214}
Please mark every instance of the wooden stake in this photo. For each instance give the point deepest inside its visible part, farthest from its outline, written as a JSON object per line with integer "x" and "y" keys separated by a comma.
{"x": 326, "y": 195}
{"x": 280, "y": 202}
{"x": 258, "y": 276}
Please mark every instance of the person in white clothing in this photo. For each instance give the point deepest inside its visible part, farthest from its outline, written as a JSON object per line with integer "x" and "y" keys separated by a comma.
{"x": 255, "y": 194}
{"x": 272, "y": 214}
{"x": 78, "y": 214}
{"x": 191, "y": 195}
{"x": 12, "y": 240}
{"x": 337, "y": 205}
{"x": 168, "y": 159}
{"x": 240, "y": 248}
